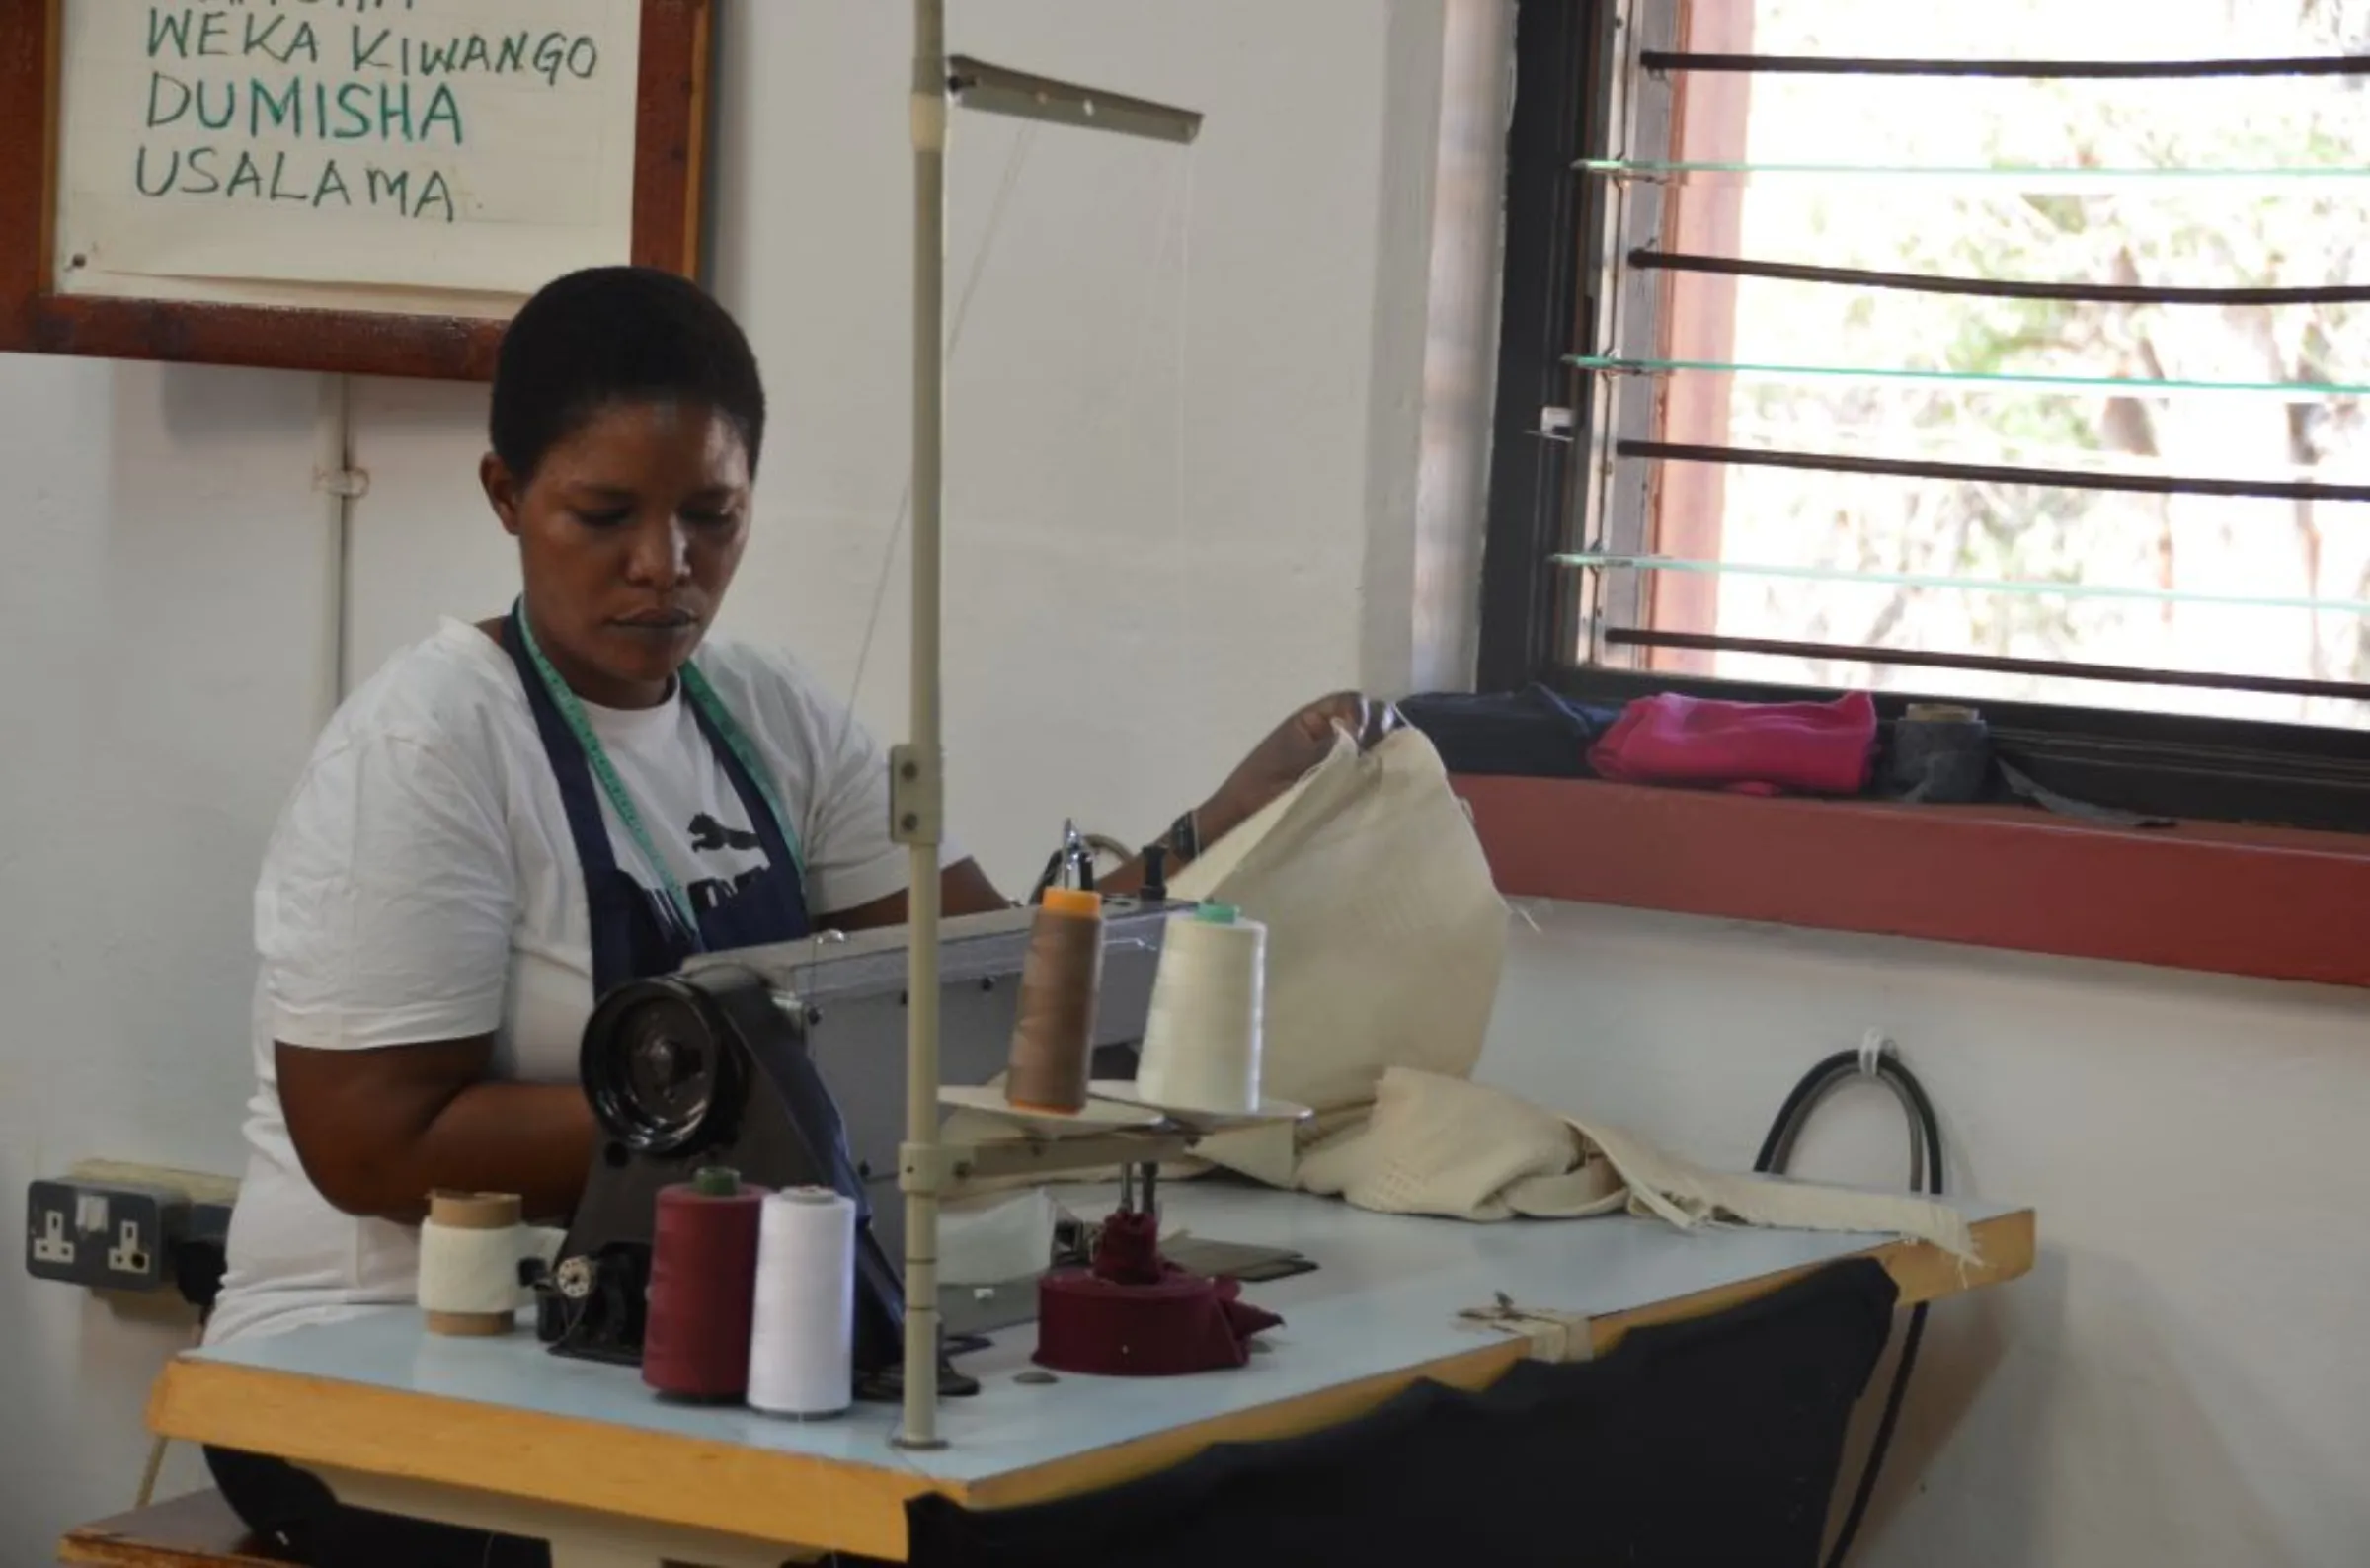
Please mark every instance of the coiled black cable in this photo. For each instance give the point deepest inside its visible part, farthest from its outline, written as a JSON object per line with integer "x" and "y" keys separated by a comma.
{"x": 1926, "y": 1176}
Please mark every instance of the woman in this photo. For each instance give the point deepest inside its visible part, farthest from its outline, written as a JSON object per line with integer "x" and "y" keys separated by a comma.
{"x": 514, "y": 816}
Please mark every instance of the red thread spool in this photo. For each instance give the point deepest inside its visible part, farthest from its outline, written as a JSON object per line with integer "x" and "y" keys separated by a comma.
{"x": 703, "y": 1282}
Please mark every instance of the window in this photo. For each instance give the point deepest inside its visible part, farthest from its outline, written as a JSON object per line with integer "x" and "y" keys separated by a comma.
{"x": 1853, "y": 344}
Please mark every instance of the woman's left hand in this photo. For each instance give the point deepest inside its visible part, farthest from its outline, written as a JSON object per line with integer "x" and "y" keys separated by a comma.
{"x": 1290, "y": 751}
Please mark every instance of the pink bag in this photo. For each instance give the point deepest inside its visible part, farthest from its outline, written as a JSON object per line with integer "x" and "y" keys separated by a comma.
{"x": 1753, "y": 747}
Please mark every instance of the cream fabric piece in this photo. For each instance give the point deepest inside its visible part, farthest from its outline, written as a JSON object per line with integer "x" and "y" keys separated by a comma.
{"x": 1436, "y": 1145}
{"x": 1367, "y": 871}
{"x": 1444, "y": 1147}
{"x": 1688, "y": 1194}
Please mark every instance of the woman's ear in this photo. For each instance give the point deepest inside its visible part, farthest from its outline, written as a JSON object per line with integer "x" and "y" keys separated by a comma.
{"x": 502, "y": 491}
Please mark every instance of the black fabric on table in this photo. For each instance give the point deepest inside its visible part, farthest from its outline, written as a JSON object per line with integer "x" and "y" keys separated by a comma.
{"x": 1535, "y": 733}
{"x": 1710, "y": 1442}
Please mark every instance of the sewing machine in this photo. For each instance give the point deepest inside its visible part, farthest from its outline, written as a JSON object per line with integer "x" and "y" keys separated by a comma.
{"x": 787, "y": 1064}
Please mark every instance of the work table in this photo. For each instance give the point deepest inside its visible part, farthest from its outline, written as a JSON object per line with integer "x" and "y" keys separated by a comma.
{"x": 502, "y": 1434}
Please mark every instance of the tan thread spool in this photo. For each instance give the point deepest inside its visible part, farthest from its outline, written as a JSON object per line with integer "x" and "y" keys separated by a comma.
{"x": 467, "y": 1251}
{"x": 1060, "y": 980}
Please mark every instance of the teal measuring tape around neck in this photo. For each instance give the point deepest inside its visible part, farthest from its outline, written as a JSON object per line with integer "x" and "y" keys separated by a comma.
{"x": 596, "y": 756}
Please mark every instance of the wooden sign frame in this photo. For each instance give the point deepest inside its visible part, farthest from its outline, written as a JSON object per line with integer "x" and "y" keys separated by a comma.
{"x": 669, "y": 125}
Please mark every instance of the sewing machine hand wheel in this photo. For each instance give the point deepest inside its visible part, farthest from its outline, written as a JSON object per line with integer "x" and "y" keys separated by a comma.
{"x": 661, "y": 1074}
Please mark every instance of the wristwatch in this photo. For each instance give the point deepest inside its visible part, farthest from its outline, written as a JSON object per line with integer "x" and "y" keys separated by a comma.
{"x": 1185, "y": 840}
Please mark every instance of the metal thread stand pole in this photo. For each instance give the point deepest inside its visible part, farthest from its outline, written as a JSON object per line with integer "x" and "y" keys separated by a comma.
{"x": 916, "y": 769}
{"x": 920, "y": 769}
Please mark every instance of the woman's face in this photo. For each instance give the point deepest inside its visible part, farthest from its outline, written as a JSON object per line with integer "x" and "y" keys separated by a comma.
{"x": 628, "y": 533}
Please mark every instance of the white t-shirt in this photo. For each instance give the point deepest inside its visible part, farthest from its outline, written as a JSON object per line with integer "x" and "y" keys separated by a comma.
{"x": 421, "y": 885}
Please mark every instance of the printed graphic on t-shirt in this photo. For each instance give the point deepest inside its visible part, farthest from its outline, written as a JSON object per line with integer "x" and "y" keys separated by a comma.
{"x": 711, "y": 837}
{"x": 707, "y": 833}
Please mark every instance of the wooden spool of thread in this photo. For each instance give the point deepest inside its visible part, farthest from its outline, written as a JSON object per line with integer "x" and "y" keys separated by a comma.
{"x": 703, "y": 1281}
{"x": 1061, "y": 981}
{"x": 469, "y": 1251}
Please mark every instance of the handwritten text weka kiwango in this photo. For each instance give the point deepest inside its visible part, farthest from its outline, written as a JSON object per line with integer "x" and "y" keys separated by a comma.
{"x": 327, "y": 103}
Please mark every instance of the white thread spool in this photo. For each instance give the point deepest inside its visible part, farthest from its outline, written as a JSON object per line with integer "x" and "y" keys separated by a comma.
{"x": 470, "y": 1250}
{"x": 801, "y": 1338}
{"x": 1202, "y": 1036}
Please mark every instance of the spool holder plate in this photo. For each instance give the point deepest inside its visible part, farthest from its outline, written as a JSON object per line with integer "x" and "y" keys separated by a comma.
{"x": 1053, "y": 1156}
{"x": 1199, "y": 1123}
{"x": 1094, "y": 1118}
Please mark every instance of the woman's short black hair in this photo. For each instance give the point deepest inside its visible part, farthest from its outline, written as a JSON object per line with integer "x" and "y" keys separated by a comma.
{"x": 611, "y": 334}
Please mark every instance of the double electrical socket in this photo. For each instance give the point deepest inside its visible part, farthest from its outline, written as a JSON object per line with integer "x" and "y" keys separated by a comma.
{"x": 114, "y": 1227}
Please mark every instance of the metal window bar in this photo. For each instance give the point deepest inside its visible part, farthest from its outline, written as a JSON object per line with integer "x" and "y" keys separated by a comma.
{"x": 1676, "y": 60}
{"x": 1997, "y": 474}
{"x": 1977, "y": 380}
{"x": 1995, "y": 287}
{"x": 1942, "y": 443}
{"x": 2041, "y": 176}
{"x": 1758, "y": 431}
{"x": 1994, "y": 664}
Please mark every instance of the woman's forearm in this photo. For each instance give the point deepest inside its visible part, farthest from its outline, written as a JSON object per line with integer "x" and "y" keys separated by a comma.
{"x": 535, "y": 1140}
{"x": 1212, "y": 820}
{"x": 379, "y": 1131}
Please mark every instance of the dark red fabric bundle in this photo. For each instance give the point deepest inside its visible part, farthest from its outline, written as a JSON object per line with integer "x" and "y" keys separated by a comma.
{"x": 1126, "y": 1249}
{"x": 1756, "y": 747}
{"x": 1135, "y": 1315}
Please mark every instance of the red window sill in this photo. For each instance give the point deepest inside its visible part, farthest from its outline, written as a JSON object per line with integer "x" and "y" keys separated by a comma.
{"x": 2269, "y": 903}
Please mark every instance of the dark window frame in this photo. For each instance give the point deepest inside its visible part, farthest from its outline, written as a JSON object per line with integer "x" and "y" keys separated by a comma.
{"x": 2158, "y": 763}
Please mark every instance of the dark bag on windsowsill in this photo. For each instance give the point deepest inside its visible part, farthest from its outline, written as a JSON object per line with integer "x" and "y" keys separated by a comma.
{"x": 1535, "y": 733}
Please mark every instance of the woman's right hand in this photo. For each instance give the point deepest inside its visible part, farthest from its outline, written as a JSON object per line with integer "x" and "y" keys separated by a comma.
{"x": 1286, "y": 756}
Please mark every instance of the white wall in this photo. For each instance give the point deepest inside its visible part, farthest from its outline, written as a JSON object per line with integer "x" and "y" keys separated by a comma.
{"x": 2182, "y": 1379}
{"x": 1184, "y": 451}
{"x": 163, "y": 617}
{"x": 1183, "y": 415}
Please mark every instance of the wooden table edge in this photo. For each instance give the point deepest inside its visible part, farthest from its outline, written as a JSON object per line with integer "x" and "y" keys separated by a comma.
{"x": 797, "y": 1499}
{"x": 1923, "y": 1273}
{"x": 767, "y": 1495}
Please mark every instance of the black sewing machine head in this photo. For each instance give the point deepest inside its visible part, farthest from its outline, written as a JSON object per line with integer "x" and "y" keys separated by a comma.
{"x": 788, "y": 1064}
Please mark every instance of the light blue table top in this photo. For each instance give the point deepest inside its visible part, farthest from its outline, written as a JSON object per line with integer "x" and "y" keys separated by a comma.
{"x": 1384, "y": 1298}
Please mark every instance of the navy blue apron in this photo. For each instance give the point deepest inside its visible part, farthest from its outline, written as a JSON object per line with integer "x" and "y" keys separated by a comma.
{"x": 635, "y": 932}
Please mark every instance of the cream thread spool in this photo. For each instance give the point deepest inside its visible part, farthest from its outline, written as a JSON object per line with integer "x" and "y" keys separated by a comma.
{"x": 802, "y": 1335}
{"x": 1202, "y": 1037}
{"x": 470, "y": 1250}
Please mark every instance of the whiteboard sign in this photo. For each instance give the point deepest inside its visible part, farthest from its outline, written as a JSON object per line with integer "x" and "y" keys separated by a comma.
{"x": 472, "y": 149}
